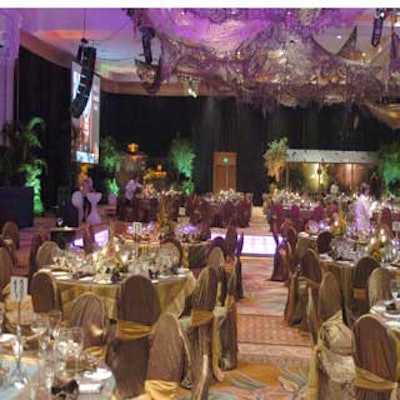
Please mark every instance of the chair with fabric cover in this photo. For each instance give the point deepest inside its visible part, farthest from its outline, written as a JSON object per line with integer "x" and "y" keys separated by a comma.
{"x": 228, "y": 327}
{"x": 379, "y": 286}
{"x": 167, "y": 360}
{"x": 10, "y": 230}
{"x": 334, "y": 333}
{"x": 37, "y": 240}
{"x": 310, "y": 277}
{"x": 6, "y": 266}
{"x": 324, "y": 242}
{"x": 228, "y": 215}
{"x": 231, "y": 240}
{"x": 386, "y": 218}
{"x": 173, "y": 248}
{"x": 295, "y": 217}
{"x": 318, "y": 213}
{"x": 331, "y": 210}
{"x": 292, "y": 237}
{"x": 44, "y": 292}
{"x": 138, "y": 309}
{"x": 286, "y": 224}
{"x": 238, "y": 267}
{"x": 43, "y": 255}
{"x": 375, "y": 357}
{"x": 216, "y": 260}
{"x": 358, "y": 303}
{"x": 243, "y": 213}
{"x": 282, "y": 260}
{"x": 330, "y": 374}
{"x": 202, "y": 331}
{"x": 89, "y": 312}
{"x": 153, "y": 209}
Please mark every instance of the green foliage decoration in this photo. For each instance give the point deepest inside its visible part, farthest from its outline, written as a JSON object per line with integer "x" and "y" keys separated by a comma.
{"x": 181, "y": 155}
{"x": 19, "y": 155}
{"x": 275, "y": 157}
{"x": 109, "y": 160}
{"x": 389, "y": 164}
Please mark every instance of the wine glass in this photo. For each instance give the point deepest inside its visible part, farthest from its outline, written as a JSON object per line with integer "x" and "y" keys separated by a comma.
{"x": 39, "y": 326}
{"x": 54, "y": 321}
{"x": 395, "y": 288}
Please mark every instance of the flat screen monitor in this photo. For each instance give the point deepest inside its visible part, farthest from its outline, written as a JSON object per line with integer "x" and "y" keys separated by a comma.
{"x": 85, "y": 132}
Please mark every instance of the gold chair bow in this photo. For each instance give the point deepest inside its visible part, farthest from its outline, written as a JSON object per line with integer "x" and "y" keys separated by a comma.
{"x": 368, "y": 380}
{"x": 130, "y": 330}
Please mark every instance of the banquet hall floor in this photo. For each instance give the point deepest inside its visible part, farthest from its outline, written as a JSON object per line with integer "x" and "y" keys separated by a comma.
{"x": 272, "y": 356}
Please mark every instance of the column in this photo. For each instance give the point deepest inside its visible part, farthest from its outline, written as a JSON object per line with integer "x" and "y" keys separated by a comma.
{"x": 10, "y": 22}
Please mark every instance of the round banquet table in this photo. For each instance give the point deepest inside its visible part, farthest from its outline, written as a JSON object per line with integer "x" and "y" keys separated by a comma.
{"x": 172, "y": 292}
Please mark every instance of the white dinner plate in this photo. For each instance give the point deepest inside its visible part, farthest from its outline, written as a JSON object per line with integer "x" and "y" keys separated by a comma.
{"x": 392, "y": 314}
{"x": 6, "y": 337}
{"x": 154, "y": 281}
{"x": 100, "y": 374}
{"x": 64, "y": 277}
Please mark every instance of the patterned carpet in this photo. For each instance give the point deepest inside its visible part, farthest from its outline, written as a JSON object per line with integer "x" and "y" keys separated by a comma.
{"x": 273, "y": 358}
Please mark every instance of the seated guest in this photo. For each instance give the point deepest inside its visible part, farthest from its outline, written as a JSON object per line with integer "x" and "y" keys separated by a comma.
{"x": 132, "y": 187}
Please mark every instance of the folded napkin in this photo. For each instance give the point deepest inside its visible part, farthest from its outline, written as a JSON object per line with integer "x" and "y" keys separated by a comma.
{"x": 62, "y": 389}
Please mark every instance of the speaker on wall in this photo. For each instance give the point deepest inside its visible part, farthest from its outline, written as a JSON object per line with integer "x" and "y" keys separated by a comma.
{"x": 85, "y": 82}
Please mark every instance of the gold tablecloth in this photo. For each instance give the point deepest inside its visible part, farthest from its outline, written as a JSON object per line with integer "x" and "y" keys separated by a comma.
{"x": 172, "y": 293}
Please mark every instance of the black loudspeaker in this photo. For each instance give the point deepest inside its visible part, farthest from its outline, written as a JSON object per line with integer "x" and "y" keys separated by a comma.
{"x": 85, "y": 82}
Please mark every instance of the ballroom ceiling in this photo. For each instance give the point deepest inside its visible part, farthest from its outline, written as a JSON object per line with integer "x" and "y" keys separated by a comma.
{"x": 289, "y": 56}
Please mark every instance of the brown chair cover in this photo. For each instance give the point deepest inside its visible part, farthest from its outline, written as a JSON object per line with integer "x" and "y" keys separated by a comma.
{"x": 286, "y": 224}
{"x": 238, "y": 267}
{"x": 11, "y": 249}
{"x": 358, "y": 300}
{"x": 385, "y": 218}
{"x": 43, "y": 291}
{"x": 6, "y": 266}
{"x": 137, "y": 301}
{"x": 336, "y": 336}
{"x": 375, "y": 351}
{"x": 331, "y": 374}
{"x": 120, "y": 227}
{"x": 168, "y": 358}
{"x": 89, "y": 312}
{"x": 282, "y": 259}
{"x": 228, "y": 327}
{"x": 10, "y": 230}
{"x": 311, "y": 274}
{"x": 228, "y": 215}
{"x": 231, "y": 240}
{"x": 292, "y": 237}
{"x": 324, "y": 242}
{"x": 379, "y": 286}
{"x": 37, "y": 240}
{"x": 200, "y": 337}
{"x": 43, "y": 255}
{"x": 216, "y": 261}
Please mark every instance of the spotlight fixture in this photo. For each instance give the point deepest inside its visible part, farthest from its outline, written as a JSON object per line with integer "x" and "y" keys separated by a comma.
{"x": 379, "y": 18}
{"x": 82, "y": 45}
{"x": 191, "y": 90}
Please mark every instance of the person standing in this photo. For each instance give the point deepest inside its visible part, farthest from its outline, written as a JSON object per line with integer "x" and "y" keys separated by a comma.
{"x": 363, "y": 209}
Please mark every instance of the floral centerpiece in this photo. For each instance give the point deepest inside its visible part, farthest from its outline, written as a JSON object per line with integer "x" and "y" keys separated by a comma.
{"x": 381, "y": 247}
{"x": 166, "y": 227}
{"x": 339, "y": 224}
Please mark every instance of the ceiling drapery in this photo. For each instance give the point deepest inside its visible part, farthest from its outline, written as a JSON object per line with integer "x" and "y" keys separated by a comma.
{"x": 269, "y": 56}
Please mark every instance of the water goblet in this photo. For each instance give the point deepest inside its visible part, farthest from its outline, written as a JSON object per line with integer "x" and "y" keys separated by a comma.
{"x": 76, "y": 344}
{"x": 395, "y": 288}
{"x": 54, "y": 321}
{"x": 62, "y": 346}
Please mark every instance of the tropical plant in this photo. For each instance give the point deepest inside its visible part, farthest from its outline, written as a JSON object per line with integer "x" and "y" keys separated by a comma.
{"x": 389, "y": 164}
{"x": 181, "y": 155}
{"x": 275, "y": 157}
{"x": 109, "y": 160}
{"x": 19, "y": 156}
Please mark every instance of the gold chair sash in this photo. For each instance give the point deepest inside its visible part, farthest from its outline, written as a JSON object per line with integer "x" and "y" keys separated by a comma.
{"x": 161, "y": 390}
{"x": 312, "y": 388}
{"x": 368, "y": 380}
{"x": 99, "y": 352}
{"x": 360, "y": 293}
{"x": 311, "y": 283}
{"x": 200, "y": 318}
{"x": 130, "y": 330}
